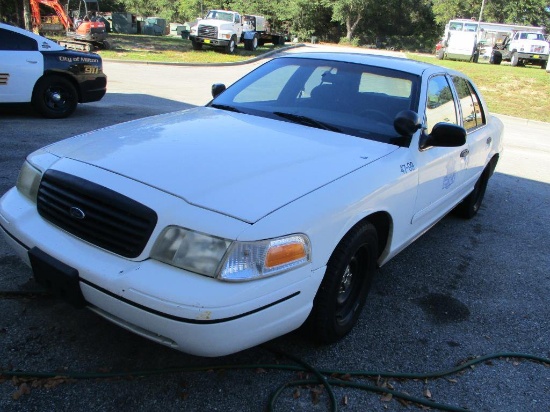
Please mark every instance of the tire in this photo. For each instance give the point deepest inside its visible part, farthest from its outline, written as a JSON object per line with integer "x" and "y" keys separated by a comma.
{"x": 106, "y": 45}
{"x": 196, "y": 45}
{"x": 255, "y": 42}
{"x": 54, "y": 97}
{"x": 475, "y": 57}
{"x": 346, "y": 284}
{"x": 544, "y": 65}
{"x": 514, "y": 59}
{"x": 496, "y": 57}
{"x": 470, "y": 205}
{"x": 232, "y": 45}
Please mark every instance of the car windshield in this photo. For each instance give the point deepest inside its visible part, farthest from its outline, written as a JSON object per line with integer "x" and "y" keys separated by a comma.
{"x": 220, "y": 15}
{"x": 350, "y": 98}
{"x": 531, "y": 36}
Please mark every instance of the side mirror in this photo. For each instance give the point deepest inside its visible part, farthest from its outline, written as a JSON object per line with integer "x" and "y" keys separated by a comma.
{"x": 407, "y": 122}
{"x": 444, "y": 135}
{"x": 217, "y": 89}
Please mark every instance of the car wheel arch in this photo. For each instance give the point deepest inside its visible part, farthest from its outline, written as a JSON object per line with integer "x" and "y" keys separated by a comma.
{"x": 383, "y": 224}
{"x": 65, "y": 75}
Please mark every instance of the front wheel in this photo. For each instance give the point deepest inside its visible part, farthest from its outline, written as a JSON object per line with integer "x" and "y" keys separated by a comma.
{"x": 231, "y": 46}
{"x": 196, "y": 45}
{"x": 55, "y": 97}
{"x": 344, "y": 289}
{"x": 514, "y": 59}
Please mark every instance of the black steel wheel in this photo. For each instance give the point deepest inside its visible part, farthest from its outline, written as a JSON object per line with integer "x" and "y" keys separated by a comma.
{"x": 471, "y": 204}
{"x": 55, "y": 97}
{"x": 344, "y": 289}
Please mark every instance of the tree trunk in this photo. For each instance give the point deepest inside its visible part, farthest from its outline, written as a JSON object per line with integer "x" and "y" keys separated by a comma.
{"x": 350, "y": 27}
{"x": 27, "y": 14}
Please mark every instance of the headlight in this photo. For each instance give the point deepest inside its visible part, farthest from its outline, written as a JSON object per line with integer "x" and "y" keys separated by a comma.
{"x": 190, "y": 250}
{"x": 194, "y": 30}
{"x": 227, "y": 260}
{"x": 28, "y": 181}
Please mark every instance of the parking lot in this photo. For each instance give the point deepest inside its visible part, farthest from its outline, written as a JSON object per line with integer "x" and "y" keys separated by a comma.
{"x": 464, "y": 290}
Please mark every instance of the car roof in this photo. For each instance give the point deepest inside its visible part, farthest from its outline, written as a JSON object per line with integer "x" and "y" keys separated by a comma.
{"x": 44, "y": 44}
{"x": 388, "y": 62}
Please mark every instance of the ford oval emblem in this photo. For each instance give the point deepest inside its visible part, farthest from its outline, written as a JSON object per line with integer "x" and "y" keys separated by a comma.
{"x": 77, "y": 213}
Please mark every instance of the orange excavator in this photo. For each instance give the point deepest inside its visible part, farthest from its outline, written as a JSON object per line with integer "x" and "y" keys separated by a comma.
{"x": 86, "y": 32}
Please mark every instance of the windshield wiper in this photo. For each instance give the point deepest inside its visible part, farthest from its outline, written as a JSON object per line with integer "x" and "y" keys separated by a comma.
{"x": 225, "y": 107}
{"x": 307, "y": 121}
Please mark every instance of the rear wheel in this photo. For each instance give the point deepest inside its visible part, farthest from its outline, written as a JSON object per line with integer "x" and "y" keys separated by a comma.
{"x": 496, "y": 57}
{"x": 54, "y": 97}
{"x": 470, "y": 205}
{"x": 344, "y": 289}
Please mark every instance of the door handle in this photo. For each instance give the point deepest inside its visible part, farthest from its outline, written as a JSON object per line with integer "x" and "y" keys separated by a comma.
{"x": 464, "y": 153}
{"x": 32, "y": 61}
{"x": 489, "y": 140}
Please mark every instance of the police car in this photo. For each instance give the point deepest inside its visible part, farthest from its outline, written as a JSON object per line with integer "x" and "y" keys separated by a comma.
{"x": 37, "y": 70}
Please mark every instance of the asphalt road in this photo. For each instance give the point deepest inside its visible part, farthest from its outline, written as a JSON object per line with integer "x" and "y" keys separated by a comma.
{"x": 463, "y": 290}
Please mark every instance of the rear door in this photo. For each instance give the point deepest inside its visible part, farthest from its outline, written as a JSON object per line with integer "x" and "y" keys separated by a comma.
{"x": 474, "y": 121}
{"x": 441, "y": 170}
{"x": 21, "y": 64}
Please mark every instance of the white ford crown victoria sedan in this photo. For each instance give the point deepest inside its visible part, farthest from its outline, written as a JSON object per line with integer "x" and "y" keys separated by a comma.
{"x": 218, "y": 228}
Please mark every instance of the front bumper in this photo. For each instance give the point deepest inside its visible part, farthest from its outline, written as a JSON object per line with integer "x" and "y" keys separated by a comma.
{"x": 92, "y": 89}
{"x": 192, "y": 313}
{"x": 209, "y": 42}
{"x": 533, "y": 57}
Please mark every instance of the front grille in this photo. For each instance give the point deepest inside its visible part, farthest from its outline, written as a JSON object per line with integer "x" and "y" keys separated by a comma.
{"x": 95, "y": 214}
{"x": 208, "y": 31}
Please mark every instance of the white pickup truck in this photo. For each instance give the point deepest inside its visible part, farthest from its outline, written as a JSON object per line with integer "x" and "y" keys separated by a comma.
{"x": 522, "y": 47}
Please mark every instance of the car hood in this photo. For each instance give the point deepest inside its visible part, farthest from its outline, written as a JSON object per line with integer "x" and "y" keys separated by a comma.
{"x": 240, "y": 165}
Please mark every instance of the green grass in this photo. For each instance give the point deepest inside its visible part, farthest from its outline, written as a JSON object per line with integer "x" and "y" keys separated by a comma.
{"x": 515, "y": 91}
{"x": 171, "y": 49}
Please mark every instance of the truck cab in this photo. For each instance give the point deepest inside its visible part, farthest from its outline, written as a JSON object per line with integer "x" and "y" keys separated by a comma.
{"x": 220, "y": 28}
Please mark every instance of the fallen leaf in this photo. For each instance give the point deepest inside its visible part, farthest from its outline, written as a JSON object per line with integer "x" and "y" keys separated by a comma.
{"x": 22, "y": 390}
{"x": 315, "y": 397}
{"x": 427, "y": 393}
{"x": 387, "y": 397}
{"x": 345, "y": 400}
{"x": 296, "y": 394}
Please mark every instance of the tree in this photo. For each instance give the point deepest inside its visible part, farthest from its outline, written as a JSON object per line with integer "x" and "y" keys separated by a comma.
{"x": 349, "y": 12}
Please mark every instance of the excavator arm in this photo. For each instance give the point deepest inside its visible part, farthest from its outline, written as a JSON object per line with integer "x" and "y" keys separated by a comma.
{"x": 59, "y": 11}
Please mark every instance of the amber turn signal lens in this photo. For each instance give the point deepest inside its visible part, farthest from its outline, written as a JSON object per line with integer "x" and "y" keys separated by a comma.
{"x": 280, "y": 255}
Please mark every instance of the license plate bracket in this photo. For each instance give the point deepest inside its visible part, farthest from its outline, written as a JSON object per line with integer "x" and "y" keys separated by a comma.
{"x": 62, "y": 279}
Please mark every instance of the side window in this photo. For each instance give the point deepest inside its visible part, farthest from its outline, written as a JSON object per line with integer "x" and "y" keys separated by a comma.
{"x": 10, "y": 40}
{"x": 472, "y": 113}
{"x": 440, "y": 105}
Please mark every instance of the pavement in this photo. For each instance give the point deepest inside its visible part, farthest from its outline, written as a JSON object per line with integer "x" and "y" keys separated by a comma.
{"x": 463, "y": 290}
